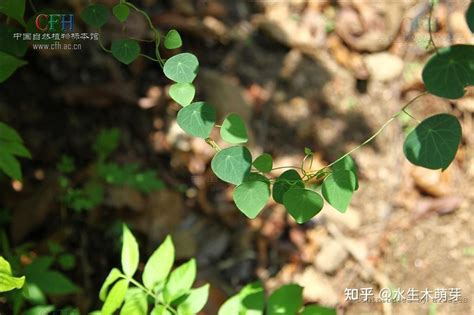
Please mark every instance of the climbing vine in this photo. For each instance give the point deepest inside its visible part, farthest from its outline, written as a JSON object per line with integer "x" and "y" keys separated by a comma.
{"x": 432, "y": 144}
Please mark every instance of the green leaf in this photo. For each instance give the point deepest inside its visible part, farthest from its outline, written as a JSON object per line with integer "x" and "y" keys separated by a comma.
{"x": 10, "y": 45}
{"x": 5, "y": 267}
{"x": 232, "y": 164}
{"x": 173, "y": 40}
{"x": 40, "y": 310}
{"x": 10, "y": 166}
{"x": 197, "y": 119}
{"x": 288, "y": 179}
{"x": 39, "y": 265}
{"x": 7, "y": 280}
{"x": 11, "y": 144}
{"x": 14, "y": 148}
{"x": 195, "y": 301}
{"x": 470, "y": 16}
{"x": 308, "y": 151}
{"x": 159, "y": 264}
{"x": 33, "y": 294}
{"x": 287, "y": 299}
{"x": 160, "y": 310}
{"x": 181, "y": 68}
{"x": 136, "y": 303}
{"x": 54, "y": 247}
{"x": 125, "y": 50}
{"x": 302, "y": 204}
{"x": 347, "y": 164}
{"x": 180, "y": 281}
{"x": 113, "y": 276}
{"x": 115, "y": 298}
{"x": 14, "y": 9}
{"x": 67, "y": 261}
{"x": 9, "y": 134}
{"x": 107, "y": 141}
{"x": 146, "y": 182}
{"x": 233, "y": 129}
{"x": 318, "y": 310}
{"x": 252, "y": 299}
{"x": 263, "y": 163}
{"x": 338, "y": 188}
{"x": 8, "y": 65}
{"x": 231, "y": 306}
{"x": 95, "y": 15}
{"x": 450, "y": 71}
{"x": 252, "y": 195}
{"x": 182, "y": 93}
{"x": 249, "y": 301}
{"x": 434, "y": 142}
{"x": 52, "y": 282}
{"x": 121, "y": 12}
{"x": 130, "y": 253}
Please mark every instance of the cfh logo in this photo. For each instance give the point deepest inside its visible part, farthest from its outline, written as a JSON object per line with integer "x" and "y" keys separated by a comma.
{"x": 49, "y": 22}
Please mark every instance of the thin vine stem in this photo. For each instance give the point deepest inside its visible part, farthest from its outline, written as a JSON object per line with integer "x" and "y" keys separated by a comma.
{"x": 430, "y": 30}
{"x": 102, "y": 45}
{"x": 147, "y": 17}
{"x": 149, "y": 58}
{"x": 394, "y": 116}
{"x": 213, "y": 144}
{"x": 156, "y": 33}
{"x": 411, "y": 116}
{"x": 286, "y": 167}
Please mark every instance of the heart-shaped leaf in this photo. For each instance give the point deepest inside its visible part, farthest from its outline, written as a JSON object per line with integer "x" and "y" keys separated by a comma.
{"x": 263, "y": 163}
{"x": 121, "y": 12}
{"x": 125, "y": 50}
{"x": 233, "y": 129}
{"x": 173, "y": 40}
{"x": 181, "y": 68}
{"x": 434, "y": 142}
{"x": 95, "y": 15}
{"x": 182, "y": 93}
{"x": 338, "y": 188}
{"x": 197, "y": 119}
{"x": 449, "y": 71}
{"x": 347, "y": 164}
{"x": 252, "y": 195}
{"x": 302, "y": 204}
{"x": 288, "y": 179}
{"x": 232, "y": 164}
